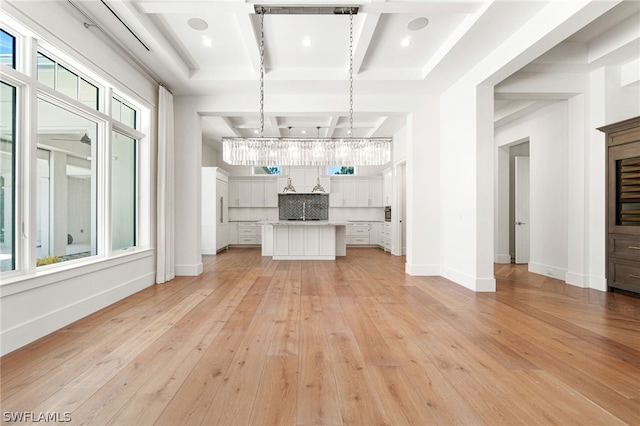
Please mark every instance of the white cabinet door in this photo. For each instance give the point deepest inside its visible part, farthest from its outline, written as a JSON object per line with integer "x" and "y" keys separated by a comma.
{"x": 352, "y": 194}
{"x": 373, "y": 234}
{"x": 337, "y": 195}
{"x": 297, "y": 179}
{"x": 244, "y": 193}
{"x": 375, "y": 193}
{"x": 311, "y": 240}
{"x": 387, "y": 188}
{"x": 271, "y": 193}
{"x": 296, "y": 238}
{"x": 257, "y": 193}
{"x": 233, "y": 193}
{"x": 233, "y": 232}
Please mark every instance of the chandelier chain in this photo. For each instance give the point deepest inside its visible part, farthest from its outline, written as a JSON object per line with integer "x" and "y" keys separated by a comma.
{"x": 350, "y": 72}
{"x": 262, "y": 13}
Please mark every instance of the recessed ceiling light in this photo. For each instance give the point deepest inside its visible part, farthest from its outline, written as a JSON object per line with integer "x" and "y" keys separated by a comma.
{"x": 256, "y": 131}
{"x": 306, "y": 42}
{"x": 304, "y": 132}
{"x": 417, "y": 24}
{"x": 198, "y": 24}
{"x": 207, "y": 41}
{"x": 405, "y": 41}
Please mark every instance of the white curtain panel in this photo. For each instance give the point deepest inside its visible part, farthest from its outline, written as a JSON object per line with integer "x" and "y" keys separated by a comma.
{"x": 165, "y": 270}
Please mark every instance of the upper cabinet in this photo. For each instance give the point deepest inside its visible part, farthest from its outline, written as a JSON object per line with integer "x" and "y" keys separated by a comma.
{"x": 387, "y": 188}
{"x": 304, "y": 180}
{"x": 356, "y": 192}
{"x": 253, "y": 192}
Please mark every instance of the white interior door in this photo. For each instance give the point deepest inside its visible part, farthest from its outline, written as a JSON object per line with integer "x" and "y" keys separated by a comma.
{"x": 522, "y": 210}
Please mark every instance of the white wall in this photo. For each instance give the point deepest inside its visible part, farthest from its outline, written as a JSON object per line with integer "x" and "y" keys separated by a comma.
{"x": 209, "y": 156}
{"x": 59, "y": 295}
{"x": 547, "y": 131}
{"x": 423, "y": 205}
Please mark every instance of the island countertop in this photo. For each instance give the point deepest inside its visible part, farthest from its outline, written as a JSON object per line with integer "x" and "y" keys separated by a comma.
{"x": 303, "y": 222}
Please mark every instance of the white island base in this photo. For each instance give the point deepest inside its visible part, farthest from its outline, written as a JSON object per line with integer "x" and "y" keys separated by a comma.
{"x": 304, "y": 240}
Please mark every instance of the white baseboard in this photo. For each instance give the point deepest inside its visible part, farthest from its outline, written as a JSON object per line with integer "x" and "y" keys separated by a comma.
{"x": 189, "y": 270}
{"x": 578, "y": 280}
{"x": 502, "y": 258}
{"x": 548, "y": 271}
{"x": 598, "y": 283}
{"x": 36, "y": 328}
{"x": 422, "y": 270}
{"x": 470, "y": 282}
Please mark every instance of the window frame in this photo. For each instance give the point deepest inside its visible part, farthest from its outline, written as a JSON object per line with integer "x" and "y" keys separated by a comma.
{"x": 29, "y": 91}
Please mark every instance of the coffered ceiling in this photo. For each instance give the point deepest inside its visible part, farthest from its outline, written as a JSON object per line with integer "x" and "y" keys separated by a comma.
{"x": 401, "y": 50}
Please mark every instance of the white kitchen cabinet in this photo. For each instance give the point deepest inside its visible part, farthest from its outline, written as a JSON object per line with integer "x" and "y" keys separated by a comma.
{"x": 240, "y": 193}
{"x": 270, "y": 193}
{"x": 233, "y": 233}
{"x": 384, "y": 235}
{"x": 256, "y": 193}
{"x": 387, "y": 188}
{"x": 376, "y": 197}
{"x": 356, "y": 192}
{"x": 253, "y": 192}
{"x": 304, "y": 180}
{"x": 214, "y": 213}
{"x": 249, "y": 233}
{"x": 337, "y": 194}
{"x": 374, "y": 239}
{"x": 358, "y": 233}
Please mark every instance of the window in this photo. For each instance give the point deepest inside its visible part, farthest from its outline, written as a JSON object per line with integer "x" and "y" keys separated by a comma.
{"x": 67, "y": 82}
{"x": 66, "y": 223}
{"x": 123, "y": 191}
{"x": 340, "y": 170}
{"x": 80, "y": 199}
{"x": 123, "y": 113}
{"x": 267, "y": 170}
{"x": 46, "y": 71}
{"x": 7, "y": 176}
{"x": 7, "y": 49}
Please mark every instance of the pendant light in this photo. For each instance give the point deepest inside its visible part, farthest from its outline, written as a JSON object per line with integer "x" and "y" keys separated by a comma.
{"x": 265, "y": 151}
{"x": 318, "y": 187}
{"x": 289, "y": 187}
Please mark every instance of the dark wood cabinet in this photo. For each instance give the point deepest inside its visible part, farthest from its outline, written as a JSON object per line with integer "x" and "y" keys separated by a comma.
{"x": 623, "y": 205}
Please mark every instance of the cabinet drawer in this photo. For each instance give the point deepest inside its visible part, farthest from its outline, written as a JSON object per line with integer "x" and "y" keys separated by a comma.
{"x": 247, "y": 231}
{"x": 624, "y": 246}
{"x": 624, "y": 274}
{"x": 249, "y": 239}
{"x": 360, "y": 231}
{"x": 355, "y": 240}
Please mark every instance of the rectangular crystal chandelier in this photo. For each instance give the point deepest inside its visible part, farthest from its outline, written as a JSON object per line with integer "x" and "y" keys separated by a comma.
{"x": 306, "y": 152}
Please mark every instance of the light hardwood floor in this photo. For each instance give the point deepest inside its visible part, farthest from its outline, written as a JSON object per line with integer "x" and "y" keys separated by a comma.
{"x": 254, "y": 341}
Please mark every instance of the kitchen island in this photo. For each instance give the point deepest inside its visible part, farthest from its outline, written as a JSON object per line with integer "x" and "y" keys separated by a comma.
{"x": 304, "y": 240}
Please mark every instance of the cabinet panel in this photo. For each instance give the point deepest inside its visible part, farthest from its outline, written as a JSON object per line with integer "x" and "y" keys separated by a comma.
{"x": 311, "y": 240}
{"x": 623, "y": 204}
{"x": 624, "y": 274}
{"x": 233, "y": 233}
{"x": 337, "y": 195}
{"x": 375, "y": 193}
{"x": 271, "y": 193}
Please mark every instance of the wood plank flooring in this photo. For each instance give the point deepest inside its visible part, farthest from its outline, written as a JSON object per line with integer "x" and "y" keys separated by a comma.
{"x": 254, "y": 341}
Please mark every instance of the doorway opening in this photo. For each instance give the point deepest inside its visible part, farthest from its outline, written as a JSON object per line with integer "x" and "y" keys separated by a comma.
{"x": 519, "y": 203}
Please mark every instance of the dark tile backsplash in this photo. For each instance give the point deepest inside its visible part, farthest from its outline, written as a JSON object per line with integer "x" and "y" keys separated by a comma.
{"x": 314, "y": 206}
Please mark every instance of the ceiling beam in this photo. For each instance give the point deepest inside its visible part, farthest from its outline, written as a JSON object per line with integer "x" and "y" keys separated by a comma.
{"x": 231, "y": 127}
{"x": 364, "y": 39}
{"x": 251, "y": 43}
{"x": 275, "y": 128}
{"x": 331, "y": 127}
